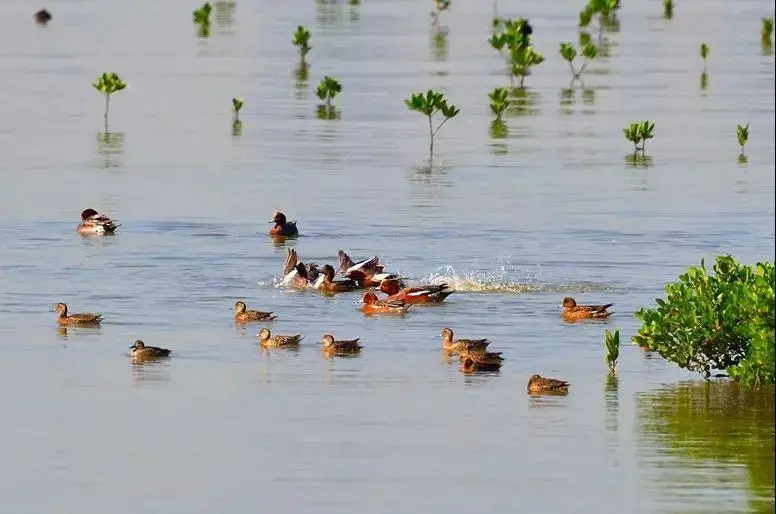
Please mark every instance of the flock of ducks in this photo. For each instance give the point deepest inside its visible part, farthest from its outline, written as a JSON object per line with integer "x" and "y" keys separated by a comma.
{"x": 367, "y": 275}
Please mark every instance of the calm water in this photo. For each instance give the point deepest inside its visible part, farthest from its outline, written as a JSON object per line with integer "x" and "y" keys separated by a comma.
{"x": 514, "y": 224}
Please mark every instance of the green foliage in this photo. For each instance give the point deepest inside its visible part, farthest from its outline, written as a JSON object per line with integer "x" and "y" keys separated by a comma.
{"x": 107, "y": 84}
{"x": 612, "y": 345}
{"x": 605, "y": 11}
{"x": 237, "y": 104}
{"x": 516, "y": 38}
{"x": 569, "y": 53}
{"x": 668, "y": 9}
{"x": 429, "y": 104}
{"x": 202, "y": 15}
{"x": 766, "y": 30}
{"x": 742, "y": 134}
{"x": 704, "y": 54}
{"x": 499, "y": 101}
{"x": 302, "y": 41}
{"x": 721, "y": 321}
{"x": 327, "y": 89}
{"x": 638, "y": 133}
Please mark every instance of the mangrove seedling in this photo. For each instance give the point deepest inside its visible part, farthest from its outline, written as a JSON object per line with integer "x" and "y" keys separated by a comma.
{"x": 638, "y": 133}
{"x": 612, "y": 345}
{"x": 742, "y": 133}
{"x": 668, "y": 9}
{"x": 107, "y": 84}
{"x": 516, "y": 38}
{"x": 327, "y": 90}
{"x": 439, "y": 7}
{"x": 766, "y": 30}
{"x": 499, "y": 101}
{"x": 302, "y": 41}
{"x": 604, "y": 10}
{"x": 237, "y": 104}
{"x": 202, "y": 15}
{"x": 569, "y": 53}
{"x": 704, "y": 54}
{"x": 429, "y": 104}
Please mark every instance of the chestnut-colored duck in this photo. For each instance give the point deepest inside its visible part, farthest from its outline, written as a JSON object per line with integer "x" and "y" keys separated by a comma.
{"x": 346, "y": 346}
{"x": 139, "y": 351}
{"x": 298, "y": 275}
{"x": 373, "y": 305}
{"x": 335, "y": 286}
{"x": 538, "y": 384}
{"x": 282, "y": 227}
{"x": 574, "y": 312}
{"x": 418, "y": 294}
{"x": 367, "y": 272}
{"x": 461, "y": 345}
{"x": 95, "y": 224}
{"x": 86, "y": 318}
{"x": 243, "y": 315}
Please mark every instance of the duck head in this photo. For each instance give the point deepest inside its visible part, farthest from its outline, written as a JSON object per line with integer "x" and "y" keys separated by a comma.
{"x": 447, "y": 334}
{"x": 569, "y": 303}
{"x": 139, "y": 345}
{"x": 264, "y": 334}
{"x": 278, "y": 218}
{"x": 88, "y": 213}
{"x": 327, "y": 340}
{"x": 369, "y": 298}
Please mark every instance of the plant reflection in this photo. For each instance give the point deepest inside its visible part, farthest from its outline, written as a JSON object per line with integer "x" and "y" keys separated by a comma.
{"x": 110, "y": 147}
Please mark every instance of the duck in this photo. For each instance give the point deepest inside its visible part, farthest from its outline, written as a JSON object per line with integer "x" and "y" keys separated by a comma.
{"x": 243, "y": 315}
{"x": 335, "y": 286}
{"x": 330, "y": 345}
{"x": 140, "y": 351}
{"x": 94, "y": 223}
{"x": 418, "y": 294}
{"x": 476, "y": 362}
{"x": 267, "y": 340}
{"x": 298, "y": 275}
{"x": 373, "y": 305}
{"x": 367, "y": 272}
{"x": 282, "y": 227}
{"x": 460, "y": 345}
{"x": 538, "y": 383}
{"x": 42, "y": 16}
{"x": 572, "y": 311}
{"x": 76, "y": 319}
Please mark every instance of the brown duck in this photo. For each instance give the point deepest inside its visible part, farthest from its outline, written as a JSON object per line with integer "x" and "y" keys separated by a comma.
{"x": 76, "y": 319}
{"x": 538, "y": 384}
{"x": 243, "y": 315}
{"x": 267, "y": 340}
{"x": 574, "y": 312}
{"x": 330, "y": 345}
{"x": 459, "y": 345}
{"x": 336, "y": 286}
{"x": 140, "y": 351}
{"x": 473, "y": 362}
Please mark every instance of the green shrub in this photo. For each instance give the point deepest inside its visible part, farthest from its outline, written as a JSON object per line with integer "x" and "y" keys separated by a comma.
{"x": 723, "y": 321}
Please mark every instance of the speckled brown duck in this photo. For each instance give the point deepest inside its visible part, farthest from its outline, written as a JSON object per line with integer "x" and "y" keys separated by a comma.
{"x": 459, "y": 345}
{"x": 267, "y": 340}
{"x": 573, "y": 312}
{"x": 82, "y": 319}
{"x": 540, "y": 384}
{"x": 243, "y": 315}
{"x": 140, "y": 351}
{"x": 343, "y": 346}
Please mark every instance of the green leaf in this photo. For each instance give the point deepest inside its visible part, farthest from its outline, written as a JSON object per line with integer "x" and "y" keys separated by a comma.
{"x": 567, "y": 51}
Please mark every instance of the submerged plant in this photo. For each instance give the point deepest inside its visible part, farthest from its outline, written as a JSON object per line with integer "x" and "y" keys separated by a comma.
{"x": 107, "y": 84}
{"x": 668, "y": 9}
{"x": 569, "y": 53}
{"x": 742, "y": 134}
{"x": 429, "y": 104}
{"x": 302, "y": 41}
{"x": 499, "y": 101}
{"x": 704, "y": 54}
{"x": 326, "y": 91}
{"x": 638, "y": 133}
{"x": 766, "y": 30}
{"x": 516, "y": 38}
{"x": 237, "y": 104}
{"x": 612, "y": 345}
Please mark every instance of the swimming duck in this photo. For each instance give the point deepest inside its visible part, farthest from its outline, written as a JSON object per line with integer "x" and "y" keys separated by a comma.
{"x": 76, "y": 319}
{"x": 418, "y": 294}
{"x": 267, "y": 340}
{"x": 330, "y": 345}
{"x": 242, "y": 315}
{"x": 537, "y": 384}
{"x": 94, "y": 223}
{"x": 573, "y": 312}
{"x": 476, "y": 362}
{"x": 282, "y": 227}
{"x": 42, "y": 16}
{"x": 461, "y": 345}
{"x": 140, "y": 351}
{"x": 335, "y": 286}
{"x": 298, "y": 275}
{"x": 373, "y": 305}
{"x": 367, "y": 272}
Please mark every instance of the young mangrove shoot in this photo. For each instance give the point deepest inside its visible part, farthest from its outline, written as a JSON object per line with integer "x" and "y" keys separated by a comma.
{"x": 569, "y": 53}
{"x": 516, "y": 38}
{"x": 612, "y": 345}
{"x": 742, "y": 133}
{"x": 202, "y": 14}
{"x": 237, "y": 104}
{"x": 328, "y": 88}
{"x": 638, "y": 133}
{"x": 107, "y": 84}
{"x": 302, "y": 42}
{"x": 499, "y": 101}
{"x": 605, "y": 11}
{"x": 439, "y": 7}
{"x": 668, "y": 9}
{"x": 429, "y": 104}
{"x": 704, "y": 54}
{"x": 766, "y": 31}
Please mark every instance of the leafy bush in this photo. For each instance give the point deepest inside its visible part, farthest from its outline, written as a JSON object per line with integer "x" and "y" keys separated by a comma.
{"x": 721, "y": 321}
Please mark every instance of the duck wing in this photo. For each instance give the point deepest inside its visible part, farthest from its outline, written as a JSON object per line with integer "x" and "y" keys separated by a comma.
{"x": 290, "y": 263}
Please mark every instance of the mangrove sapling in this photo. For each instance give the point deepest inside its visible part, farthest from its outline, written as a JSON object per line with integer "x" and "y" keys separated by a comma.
{"x": 107, "y": 84}
{"x": 704, "y": 54}
{"x": 439, "y": 7}
{"x": 499, "y": 101}
{"x": 766, "y": 30}
{"x": 429, "y": 104}
{"x": 202, "y": 19}
{"x": 302, "y": 42}
{"x": 638, "y": 133}
{"x": 668, "y": 9}
{"x": 612, "y": 345}
{"x": 604, "y": 10}
{"x": 516, "y": 38}
{"x": 569, "y": 53}
{"x": 328, "y": 89}
{"x": 742, "y": 134}
{"x": 237, "y": 104}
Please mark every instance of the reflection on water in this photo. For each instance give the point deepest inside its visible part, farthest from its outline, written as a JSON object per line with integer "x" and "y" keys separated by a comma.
{"x": 523, "y": 102}
{"x": 705, "y": 427}
{"x": 439, "y": 44}
{"x": 224, "y": 14}
{"x": 150, "y": 371}
{"x": 110, "y": 147}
